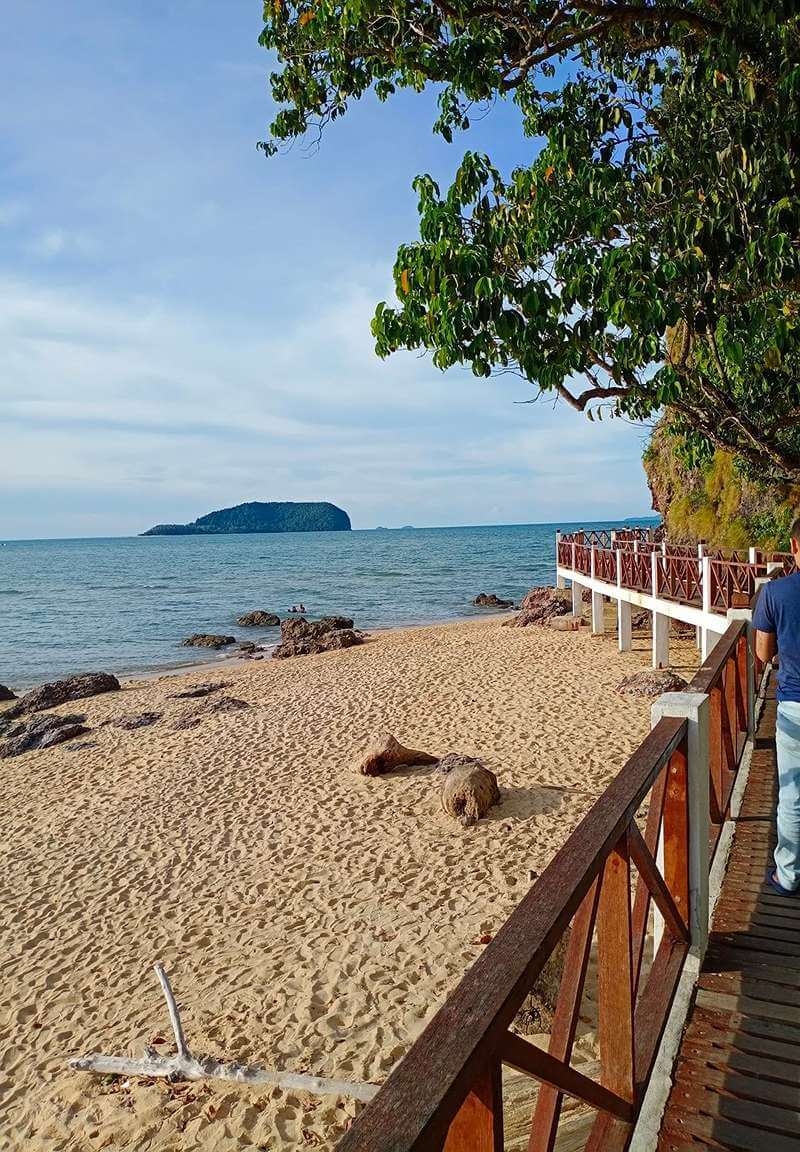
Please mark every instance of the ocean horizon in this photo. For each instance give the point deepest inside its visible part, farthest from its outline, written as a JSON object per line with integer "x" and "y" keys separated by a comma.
{"x": 124, "y": 604}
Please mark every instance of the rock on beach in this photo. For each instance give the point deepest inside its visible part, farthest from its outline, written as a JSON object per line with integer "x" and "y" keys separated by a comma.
{"x": 63, "y": 691}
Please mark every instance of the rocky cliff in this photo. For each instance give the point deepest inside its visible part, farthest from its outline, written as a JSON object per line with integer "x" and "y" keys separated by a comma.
{"x": 715, "y": 503}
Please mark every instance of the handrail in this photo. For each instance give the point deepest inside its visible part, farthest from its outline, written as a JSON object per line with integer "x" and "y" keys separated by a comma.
{"x": 456, "y": 1060}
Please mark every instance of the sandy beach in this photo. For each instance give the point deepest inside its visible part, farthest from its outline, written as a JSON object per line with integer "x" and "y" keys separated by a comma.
{"x": 310, "y": 919}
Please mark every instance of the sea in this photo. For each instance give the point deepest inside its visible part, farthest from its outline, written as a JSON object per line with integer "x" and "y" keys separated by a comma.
{"x": 124, "y": 605}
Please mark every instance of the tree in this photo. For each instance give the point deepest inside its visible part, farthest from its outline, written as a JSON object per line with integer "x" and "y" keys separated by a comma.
{"x": 647, "y": 257}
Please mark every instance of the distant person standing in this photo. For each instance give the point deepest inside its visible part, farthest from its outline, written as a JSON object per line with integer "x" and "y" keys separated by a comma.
{"x": 777, "y": 623}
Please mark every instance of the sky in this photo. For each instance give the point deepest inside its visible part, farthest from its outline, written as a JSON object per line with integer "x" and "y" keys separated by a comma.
{"x": 184, "y": 323}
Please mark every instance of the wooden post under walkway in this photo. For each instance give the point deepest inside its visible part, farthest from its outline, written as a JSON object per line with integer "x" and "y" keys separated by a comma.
{"x": 736, "y": 1082}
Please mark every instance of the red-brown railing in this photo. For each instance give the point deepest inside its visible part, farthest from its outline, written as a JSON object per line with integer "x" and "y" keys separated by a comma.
{"x": 679, "y": 578}
{"x": 785, "y": 559}
{"x": 605, "y": 565}
{"x": 583, "y": 559}
{"x": 729, "y": 579}
{"x": 446, "y": 1094}
{"x": 724, "y": 678}
{"x": 636, "y": 571}
{"x": 564, "y": 553}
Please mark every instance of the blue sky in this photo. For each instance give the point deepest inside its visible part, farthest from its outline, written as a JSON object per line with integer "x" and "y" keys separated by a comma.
{"x": 184, "y": 324}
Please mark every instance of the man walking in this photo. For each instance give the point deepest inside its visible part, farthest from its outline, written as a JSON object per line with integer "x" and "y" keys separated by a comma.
{"x": 777, "y": 623}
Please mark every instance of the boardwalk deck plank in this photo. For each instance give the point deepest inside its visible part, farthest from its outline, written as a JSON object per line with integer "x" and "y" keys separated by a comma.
{"x": 736, "y": 1083}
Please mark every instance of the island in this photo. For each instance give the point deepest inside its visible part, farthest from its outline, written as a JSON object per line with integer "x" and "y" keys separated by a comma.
{"x": 260, "y": 516}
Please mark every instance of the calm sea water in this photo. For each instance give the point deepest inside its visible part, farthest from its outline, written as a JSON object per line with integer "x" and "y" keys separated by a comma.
{"x": 123, "y": 605}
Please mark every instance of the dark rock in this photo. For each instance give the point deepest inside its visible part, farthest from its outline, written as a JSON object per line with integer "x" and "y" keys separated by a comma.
{"x": 259, "y": 620}
{"x": 540, "y": 605}
{"x": 247, "y": 646}
{"x": 41, "y": 732}
{"x": 223, "y": 704}
{"x": 651, "y": 684}
{"x": 683, "y": 630}
{"x": 586, "y": 595}
{"x": 199, "y": 690}
{"x": 303, "y": 638}
{"x": 62, "y": 691}
{"x": 482, "y": 600}
{"x": 6, "y": 693}
{"x": 80, "y": 744}
{"x": 207, "y": 640}
{"x": 641, "y": 621}
{"x": 135, "y": 720}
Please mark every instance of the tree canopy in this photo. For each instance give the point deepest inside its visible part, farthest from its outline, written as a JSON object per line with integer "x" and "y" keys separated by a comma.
{"x": 644, "y": 254}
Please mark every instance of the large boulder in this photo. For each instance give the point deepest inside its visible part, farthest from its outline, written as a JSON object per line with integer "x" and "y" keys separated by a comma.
{"x": 385, "y": 753}
{"x": 468, "y": 788}
{"x": 207, "y": 640}
{"x": 651, "y": 683}
{"x": 301, "y": 637}
{"x": 259, "y": 619}
{"x": 62, "y": 691}
{"x": 6, "y": 693}
{"x": 492, "y": 600}
{"x": 41, "y": 732}
{"x": 540, "y": 605}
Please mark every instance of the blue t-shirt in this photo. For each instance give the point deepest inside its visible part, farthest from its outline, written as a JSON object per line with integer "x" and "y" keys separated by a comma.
{"x": 778, "y": 610}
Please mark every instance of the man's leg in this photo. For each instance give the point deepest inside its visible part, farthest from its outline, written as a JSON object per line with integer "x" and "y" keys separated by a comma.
{"x": 787, "y": 740}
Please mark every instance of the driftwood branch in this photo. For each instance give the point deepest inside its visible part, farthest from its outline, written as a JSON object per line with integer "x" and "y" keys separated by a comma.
{"x": 185, "y": 1066}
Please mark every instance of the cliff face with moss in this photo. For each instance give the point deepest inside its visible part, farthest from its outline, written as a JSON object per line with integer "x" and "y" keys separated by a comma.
{"x": 715, "y": 502}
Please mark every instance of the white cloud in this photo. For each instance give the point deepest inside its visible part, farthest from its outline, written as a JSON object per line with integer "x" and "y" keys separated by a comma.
{"x": 189, "y": 412}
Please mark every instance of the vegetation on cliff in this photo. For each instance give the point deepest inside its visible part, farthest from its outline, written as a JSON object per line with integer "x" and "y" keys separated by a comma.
{"x": 257, "y": 516}
{"x": 666, "y": 198}
{"x": 718, "y": 499}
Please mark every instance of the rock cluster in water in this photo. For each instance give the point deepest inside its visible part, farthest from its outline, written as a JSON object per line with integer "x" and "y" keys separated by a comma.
{"x": 491, "y": 600}
{"x": 259, "y": 619}
{"x": 301, "y": 637}
{"x": 207, "y": 640}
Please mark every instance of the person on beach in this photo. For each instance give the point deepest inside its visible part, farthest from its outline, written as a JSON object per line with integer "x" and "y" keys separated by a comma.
{"x": 776, "y": 620}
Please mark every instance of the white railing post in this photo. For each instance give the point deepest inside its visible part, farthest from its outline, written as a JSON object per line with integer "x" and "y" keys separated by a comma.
{"x": 752, "y": 556}
{"x": 693, "y": 707}
{"x": 560, "y": 580}
{"x": 705, "y": 591}
{"x": 660, "y": 620}
{"x": 624, "y": 612}
{"x": 598, "y": 616}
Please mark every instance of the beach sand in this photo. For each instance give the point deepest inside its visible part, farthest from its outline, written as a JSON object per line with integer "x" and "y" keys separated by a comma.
{"x": 310, "y": 919}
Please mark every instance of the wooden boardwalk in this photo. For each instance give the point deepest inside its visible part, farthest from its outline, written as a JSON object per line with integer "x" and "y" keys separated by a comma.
{"x": 737, "y": 1078}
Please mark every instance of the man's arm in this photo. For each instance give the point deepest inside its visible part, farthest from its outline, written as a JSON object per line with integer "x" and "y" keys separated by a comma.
{"x": 766, "y": 646}
{"x": 766, "y": 640}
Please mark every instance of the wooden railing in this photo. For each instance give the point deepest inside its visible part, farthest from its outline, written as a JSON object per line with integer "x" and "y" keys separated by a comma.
{"x": 785, "y": 559}
{"x": 679, "y": 578}
{"x": 605, "y": 565}
{"x": 731, "y": 578}
{"x": 724, "y": 679}
{"x": 636, "y": 571}
{"x": 564, "y": 553}
{"x": 583, "y": 559}
{"x": 446, "y": 1094}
